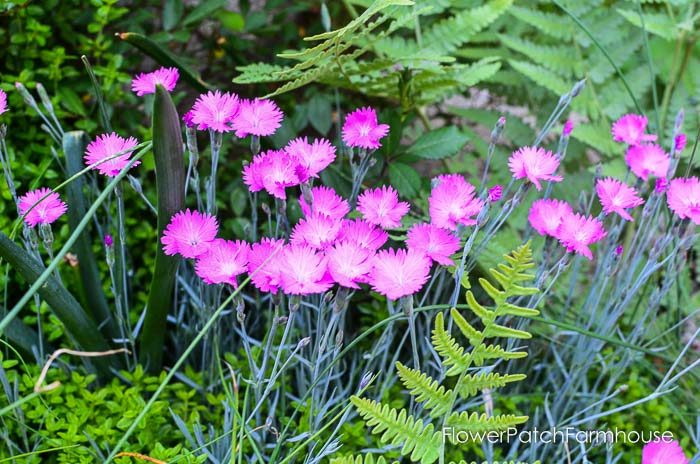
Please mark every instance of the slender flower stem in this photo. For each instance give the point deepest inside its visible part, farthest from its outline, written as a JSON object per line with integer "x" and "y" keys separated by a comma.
{"x": 216, "y": 139}
{"x": 407, "y": 306}
{"x": 121, "y": 265}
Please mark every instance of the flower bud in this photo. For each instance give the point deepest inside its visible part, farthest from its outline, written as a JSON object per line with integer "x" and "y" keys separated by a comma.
{"x": 495, "y": 193}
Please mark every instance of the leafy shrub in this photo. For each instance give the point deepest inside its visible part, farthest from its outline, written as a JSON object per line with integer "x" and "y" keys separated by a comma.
{"x": 74, "y": 422}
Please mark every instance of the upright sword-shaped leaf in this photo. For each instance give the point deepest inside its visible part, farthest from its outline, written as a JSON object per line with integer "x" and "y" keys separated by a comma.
{"x": 77, "y": 322}
{"x": 170, "y": 179}
{"x": 74, "y": 144}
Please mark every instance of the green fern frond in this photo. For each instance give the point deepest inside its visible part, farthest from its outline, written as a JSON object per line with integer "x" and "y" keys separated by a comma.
{"x": 541, "y": 76}
{"x": 485, "y": 352}
{"x": 397, "y": 427}
{"x": 552, "y": 24}
{"x": 660, "y": 24}
{"x": 473, "y": 384}
{"x": 449, "y": 34}
{"x": 366, "y": 459}
{"x": 419, "y": 439}
{"x": 452, "y": 353}
{"x": 258, "y": 72}
{"x": 494, "y": 462}
{"x": 474, "y": 336}
{"x": 476, "y": 422}
{"x": 425, "y": 390}
{"x": 556, "y": 58}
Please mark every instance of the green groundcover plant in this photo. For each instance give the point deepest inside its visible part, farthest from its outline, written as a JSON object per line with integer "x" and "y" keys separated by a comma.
{"x": 287, "y": 305}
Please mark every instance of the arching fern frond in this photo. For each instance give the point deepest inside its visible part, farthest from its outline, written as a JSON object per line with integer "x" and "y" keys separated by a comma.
{"x": 475, "y": 422}
{"x": 419, "y": 438}
{"x": 398, "y": 427}
{"x": 425, "y": 390}
{"x": 366, "y": 459}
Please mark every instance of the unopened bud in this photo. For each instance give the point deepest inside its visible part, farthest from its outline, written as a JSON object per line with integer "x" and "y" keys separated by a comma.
{"x": 303, "y": 342}
{"x": 495, "y": 193}
{"x": 576, "y": 90}
{"x": 45, "y": 100}
{"x": 678, "y": 123}
{"x": 498, "y": 129}
{"x": 365, "y": 380}
{"x": 339, "y": 338}
{"x": 679, "y": 142}
{"x": 568, "y": 128}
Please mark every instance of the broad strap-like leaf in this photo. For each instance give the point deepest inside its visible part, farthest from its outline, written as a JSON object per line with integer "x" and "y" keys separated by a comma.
{"x": 77, "y": 322}
{"x": 168, "y": 154}
{"x": 164, "y": 57}
{"x": 74, "y": 144}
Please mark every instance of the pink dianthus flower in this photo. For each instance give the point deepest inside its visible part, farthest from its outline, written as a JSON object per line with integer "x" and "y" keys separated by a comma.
{"x": 145, "y": 83}
{"x": 617, "y": 197}
{"x": 361, "y": 129}
{"x": 325, "y": 202}
{"x": 215, "y": 111}
{"x": 316, "y": 231}
{"x": 303, "y": 270}
{"x": 535, "y": 164}
{"x": 398, "y": 273}
{"x": 259, "y": 117}
{"x": 349, "y": 264}
{"x": 363, "y": 234}
{"x": 106, "y": 146}
{"x": 662, "y": 452}
{"x": 546, "y": 216}
{"x": 452, "y": 202}
{"x": 646, "y": 160}
{"x": 189, "y": 234}
{"x": 274, "y": 171}
{"x": 263, "y": 264}
{"x": 683, "y": 198}
{"x": 223, "y": 262}
{"x": 313, "y": 157}
{"x": 578, "y": 232}
{"x": 3, "y": 101}
{"x": 436, "y": 243}
{"x": 381, "y": 206}
{"x": 630, "y": 129}
{"x": 43, "y": 210}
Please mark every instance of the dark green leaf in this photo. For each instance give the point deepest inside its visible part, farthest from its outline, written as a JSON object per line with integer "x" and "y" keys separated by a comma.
{"x": 71, "y": 101}
{"x": 81, "y": 327}
{"x": 439, "y": 143}
{"x": 234, "y": 22}
{"x": 320, "y": 113}
{"x": 74, "y": 144}
{"x": 170, "y": 183}
{"x": 203, "y": 10}
{"x": 164, "y": 57}
{"x": 404, "y": 178}
{"x": 172, "y": 13}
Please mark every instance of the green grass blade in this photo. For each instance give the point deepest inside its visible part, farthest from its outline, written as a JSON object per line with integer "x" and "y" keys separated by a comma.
{"x": 170, "y": 181}
{"x": 74, "y": 144}
{"x": 104, "y": 115}
{"x": 80, "y": 326}
{"x": 164, "y": 57}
